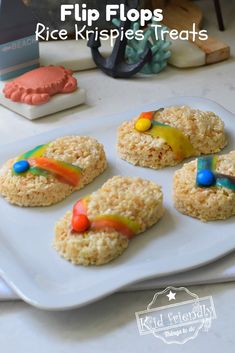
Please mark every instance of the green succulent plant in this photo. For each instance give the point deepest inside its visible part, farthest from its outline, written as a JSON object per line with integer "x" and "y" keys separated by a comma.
{"x": 153, "y": 39}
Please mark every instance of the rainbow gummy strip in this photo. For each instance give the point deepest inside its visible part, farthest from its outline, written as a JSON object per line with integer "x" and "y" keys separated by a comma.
{"x": 225, "y": 181}
{"x": 208, "y": 163}
{"x": 66, "y": 172}
{"x": 36, "y": 152}
{"x": 39, "y": 165}
{"x": 121, "y": 224}
{"x": 179, "y": 143}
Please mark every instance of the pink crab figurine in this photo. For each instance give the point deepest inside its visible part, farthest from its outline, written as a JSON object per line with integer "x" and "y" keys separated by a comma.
{"x": 38, "y": 86}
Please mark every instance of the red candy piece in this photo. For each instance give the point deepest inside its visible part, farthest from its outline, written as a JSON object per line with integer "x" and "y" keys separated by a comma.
{"x": 80, "y": 223}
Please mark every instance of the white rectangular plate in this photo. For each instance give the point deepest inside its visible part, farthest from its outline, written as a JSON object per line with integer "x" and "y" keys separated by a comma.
{"x": 31, "y": 266}
{"x": 56, "y": 104}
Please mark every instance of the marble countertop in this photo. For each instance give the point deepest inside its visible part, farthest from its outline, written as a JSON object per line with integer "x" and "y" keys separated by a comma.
{"x": 110, "y": 325}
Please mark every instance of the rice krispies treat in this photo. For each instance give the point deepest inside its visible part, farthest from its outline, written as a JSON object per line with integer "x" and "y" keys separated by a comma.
{"x": 36, "y": 190}
{"x": 207, "y": 204}
{"x": 205, "y": 131}
{"x": 139, "y": 200}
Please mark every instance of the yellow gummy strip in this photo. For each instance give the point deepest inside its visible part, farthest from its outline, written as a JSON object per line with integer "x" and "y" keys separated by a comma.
{"x": 179, "y": 143}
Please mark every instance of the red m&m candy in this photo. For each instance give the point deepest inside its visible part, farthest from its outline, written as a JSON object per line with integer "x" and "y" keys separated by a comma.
{"x": 80, "y": 223}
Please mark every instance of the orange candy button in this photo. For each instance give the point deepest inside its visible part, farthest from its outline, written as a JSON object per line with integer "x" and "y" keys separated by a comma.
{"x": 80, "y": 223}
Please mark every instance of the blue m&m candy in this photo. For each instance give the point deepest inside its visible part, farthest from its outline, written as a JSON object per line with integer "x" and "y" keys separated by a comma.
{"x": 205, "y": 178}
{"x": 21, "y": 167}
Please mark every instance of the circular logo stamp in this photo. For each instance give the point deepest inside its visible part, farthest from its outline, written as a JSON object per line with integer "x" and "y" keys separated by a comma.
{"x": 176, "y": 315}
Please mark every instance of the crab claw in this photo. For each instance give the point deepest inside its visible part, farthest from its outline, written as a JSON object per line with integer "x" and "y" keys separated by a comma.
{"x": 14, "y": 94}
{"x": 70, "y": 86}
{"x": 68, "y": 71}
{"x": 9, "y": 89}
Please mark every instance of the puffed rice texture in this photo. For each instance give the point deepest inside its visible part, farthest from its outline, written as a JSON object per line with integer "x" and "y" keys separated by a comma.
{"x": 135, "y": 198}
{"x": 205, "y": 130}
{"x": 33, "y": 190}
{"x": 206, "y": 204}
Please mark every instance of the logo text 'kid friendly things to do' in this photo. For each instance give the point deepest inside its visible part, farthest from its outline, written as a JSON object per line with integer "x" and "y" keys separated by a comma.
{"x": 176, "y": 315}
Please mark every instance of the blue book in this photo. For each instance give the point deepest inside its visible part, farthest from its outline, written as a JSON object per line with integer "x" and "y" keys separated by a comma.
{"x": 19, "y": 50}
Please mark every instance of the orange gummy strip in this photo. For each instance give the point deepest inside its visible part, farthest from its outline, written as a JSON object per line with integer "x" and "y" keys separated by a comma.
{"x": 108, "y": 223}
{"x": 68, "y": 173}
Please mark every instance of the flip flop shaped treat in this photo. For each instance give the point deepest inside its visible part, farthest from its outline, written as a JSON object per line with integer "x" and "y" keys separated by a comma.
{"x": 49, "y": 173}
{"x": 101, "y": 225}
{"x": 205, "y": 188}
{"x": 167, "y": 136}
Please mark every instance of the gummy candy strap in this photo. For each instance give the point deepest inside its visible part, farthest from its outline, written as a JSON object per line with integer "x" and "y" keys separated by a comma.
{"x": 150, "y": 115}
{"x": 208, "y": 163}
{"x": 65, "y": 172}
{"x": 121, "y": 224}
{"x": 225, "y": 181}
{"x": 179, "y": 143}
{"x": 36, "y": 152}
